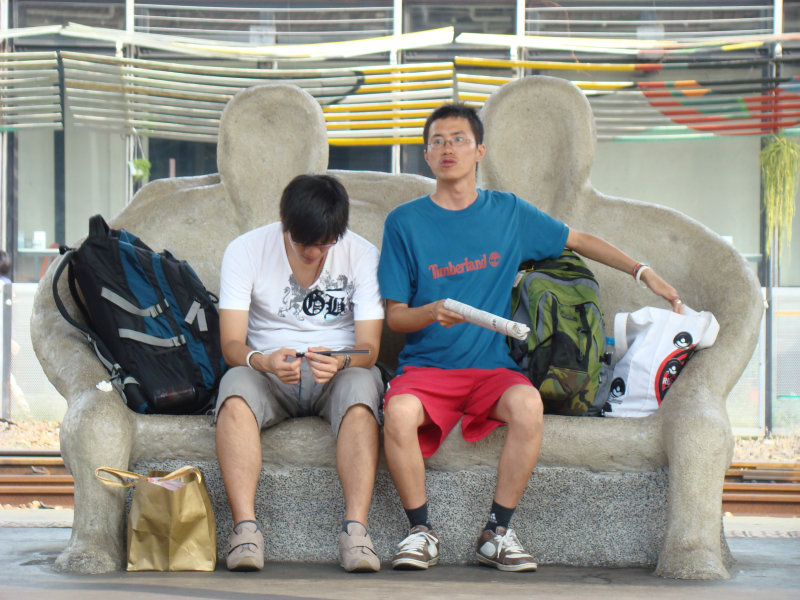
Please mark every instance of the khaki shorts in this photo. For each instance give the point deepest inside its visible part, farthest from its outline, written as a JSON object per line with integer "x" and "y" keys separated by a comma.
{"x": 273, "y": 401}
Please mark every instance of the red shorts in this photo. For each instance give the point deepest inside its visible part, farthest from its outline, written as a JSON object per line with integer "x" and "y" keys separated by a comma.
{"x": 447, "y": 395}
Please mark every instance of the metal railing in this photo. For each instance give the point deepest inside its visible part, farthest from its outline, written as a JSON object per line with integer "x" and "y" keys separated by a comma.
{"x": 268, "y": 23}
{"x": 644, "y": 19}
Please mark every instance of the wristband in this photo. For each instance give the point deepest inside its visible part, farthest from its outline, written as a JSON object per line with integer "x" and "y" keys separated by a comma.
{"x": 249, "y": 356}
{"x": 346, "y": 361}
{"x": 638, "y": 276}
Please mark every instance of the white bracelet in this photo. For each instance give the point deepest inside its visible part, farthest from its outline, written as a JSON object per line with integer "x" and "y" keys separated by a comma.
{"x": 249, "y": 356}
{"x": 641, "y": 270}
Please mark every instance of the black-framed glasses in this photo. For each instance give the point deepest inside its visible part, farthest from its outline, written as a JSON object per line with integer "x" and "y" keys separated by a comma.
{"x": 458, "y": 141}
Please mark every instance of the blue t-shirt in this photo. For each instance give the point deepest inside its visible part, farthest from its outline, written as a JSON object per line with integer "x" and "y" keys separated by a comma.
{"x": 430, "y": 253}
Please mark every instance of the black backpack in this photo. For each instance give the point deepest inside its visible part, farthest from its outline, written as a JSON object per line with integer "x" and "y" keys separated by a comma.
{"x": 150, "y": 319}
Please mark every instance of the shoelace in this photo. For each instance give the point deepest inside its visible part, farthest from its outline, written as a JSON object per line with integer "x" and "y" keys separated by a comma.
{"x": 416, "y": 542}
{"x": 511, "y": 544}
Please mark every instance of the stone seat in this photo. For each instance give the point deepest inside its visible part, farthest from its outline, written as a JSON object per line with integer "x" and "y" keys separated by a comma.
{"x": 607, "y": 492}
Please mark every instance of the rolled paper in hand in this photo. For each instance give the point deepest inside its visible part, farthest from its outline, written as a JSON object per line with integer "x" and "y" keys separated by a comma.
{"x": 488, "y": 320}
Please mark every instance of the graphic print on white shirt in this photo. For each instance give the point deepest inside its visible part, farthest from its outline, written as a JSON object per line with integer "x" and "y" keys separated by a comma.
{"x": 328, "y": 299}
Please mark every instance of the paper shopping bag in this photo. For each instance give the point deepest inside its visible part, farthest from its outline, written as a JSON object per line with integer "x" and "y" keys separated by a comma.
{"x": 653, "y": 345}
{"x": 171, "y": 523}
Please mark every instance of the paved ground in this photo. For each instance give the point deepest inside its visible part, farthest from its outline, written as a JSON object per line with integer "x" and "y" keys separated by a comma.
{"x": 767, "y": 568}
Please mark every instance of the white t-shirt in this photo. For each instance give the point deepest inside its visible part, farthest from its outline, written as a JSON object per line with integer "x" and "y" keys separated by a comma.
{"x": 256, "y": 277}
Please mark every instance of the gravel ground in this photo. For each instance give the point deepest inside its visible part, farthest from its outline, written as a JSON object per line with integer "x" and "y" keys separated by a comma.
{"x": 44, "y": 434}
{"x": 28, "y": 434}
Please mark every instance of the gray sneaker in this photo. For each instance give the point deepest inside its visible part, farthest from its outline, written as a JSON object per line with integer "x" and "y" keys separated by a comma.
{"x": 419, "y": 550}
{"x": 356, "y": 553}
{"x": 246, "y": 547}
{"x": 503, "y": 551}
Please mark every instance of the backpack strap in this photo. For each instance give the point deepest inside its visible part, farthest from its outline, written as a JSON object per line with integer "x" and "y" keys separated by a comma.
{"x": 66, "y": 261}
{"x": 196, "y": 311}
{"x": 151, "y": 340}
{"x": 149, "y": 311}
{"x": 118, "y": 379}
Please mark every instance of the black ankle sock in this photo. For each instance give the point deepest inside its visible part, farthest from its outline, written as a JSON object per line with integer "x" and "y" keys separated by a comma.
{"x": 418, "y": 516}
{"x": 499, "y": 516}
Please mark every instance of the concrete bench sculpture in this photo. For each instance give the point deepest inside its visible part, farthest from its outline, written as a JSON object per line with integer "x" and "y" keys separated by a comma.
{"x": 607, "y": 492}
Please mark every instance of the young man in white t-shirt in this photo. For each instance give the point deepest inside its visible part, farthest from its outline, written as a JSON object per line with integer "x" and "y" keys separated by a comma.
{"x": 303, "y": 285}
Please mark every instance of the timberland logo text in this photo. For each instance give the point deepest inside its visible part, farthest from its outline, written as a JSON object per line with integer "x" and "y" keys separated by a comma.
{"x": 462, "y": 267}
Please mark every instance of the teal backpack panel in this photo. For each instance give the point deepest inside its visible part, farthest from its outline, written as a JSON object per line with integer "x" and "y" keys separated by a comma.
{"x": 564, "y": 354}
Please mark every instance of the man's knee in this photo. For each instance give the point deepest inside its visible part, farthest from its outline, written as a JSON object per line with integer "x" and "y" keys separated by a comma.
{"x": 235, "y": 410}
{"x": 359, "y": 415}
{"x": 523, "y": 406}
{"x": 402, "y": 413}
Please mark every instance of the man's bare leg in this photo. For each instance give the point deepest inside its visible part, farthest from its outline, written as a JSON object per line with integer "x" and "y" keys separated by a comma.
{"x": 520, "y": 407}
{"x": 357, "y": 460}
{"x": 403, "y": 417}
{"x": 239, "y": 453}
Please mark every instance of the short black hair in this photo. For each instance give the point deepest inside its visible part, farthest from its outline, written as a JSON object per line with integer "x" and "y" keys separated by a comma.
{"x": 5, "y": 263}
{"x": 455, "y": 109}
{"x": 314, "y": 209}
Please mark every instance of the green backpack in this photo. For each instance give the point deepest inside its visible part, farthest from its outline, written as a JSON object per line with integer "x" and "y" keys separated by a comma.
{"x": 564, "y": 354}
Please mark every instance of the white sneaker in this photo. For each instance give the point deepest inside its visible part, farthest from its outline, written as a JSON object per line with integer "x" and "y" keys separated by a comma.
{"x": 503, "y": 551}
{"x": 419, "y": 550}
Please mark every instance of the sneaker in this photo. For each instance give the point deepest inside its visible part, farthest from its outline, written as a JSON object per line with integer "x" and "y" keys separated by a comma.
{"x": 246, "y": 547}
{"x": 503, "y": 551}
{"x": 356, "y": 553}
{"x": 419, "y": 550}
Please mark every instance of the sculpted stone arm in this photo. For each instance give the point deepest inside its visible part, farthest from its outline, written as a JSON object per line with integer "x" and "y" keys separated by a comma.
{"x": 97, "y": 430}
{"x": 695, "y": 432}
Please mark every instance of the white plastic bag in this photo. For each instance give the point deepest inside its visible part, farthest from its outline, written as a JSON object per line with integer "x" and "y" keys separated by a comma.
{"x": 652, "y": 345}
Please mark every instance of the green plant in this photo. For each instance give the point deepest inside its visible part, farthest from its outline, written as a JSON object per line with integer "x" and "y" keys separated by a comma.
{"x": 140, "y": 169}
{"x": 780, "y": 165}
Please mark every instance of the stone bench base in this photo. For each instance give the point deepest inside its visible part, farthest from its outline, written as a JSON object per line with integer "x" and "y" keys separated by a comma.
{"x": 567, "y": 516}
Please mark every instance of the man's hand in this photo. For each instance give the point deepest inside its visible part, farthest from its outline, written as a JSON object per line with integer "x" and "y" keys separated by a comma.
{"x": 445, "y": 318}
{"x": 661, "y": 288}
{"x": 404, "y": 319}
{"x": 282, "y": 363}
{"x": 323, "y": 368}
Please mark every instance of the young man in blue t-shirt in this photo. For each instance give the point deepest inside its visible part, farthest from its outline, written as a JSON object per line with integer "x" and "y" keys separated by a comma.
{"x": 466, "y": 244}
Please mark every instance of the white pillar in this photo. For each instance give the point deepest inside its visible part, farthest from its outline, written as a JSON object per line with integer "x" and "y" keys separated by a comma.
{"x": 515, "y": 50}
{"x": 3, "y": 142}
{"x": 394, "y": 59}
